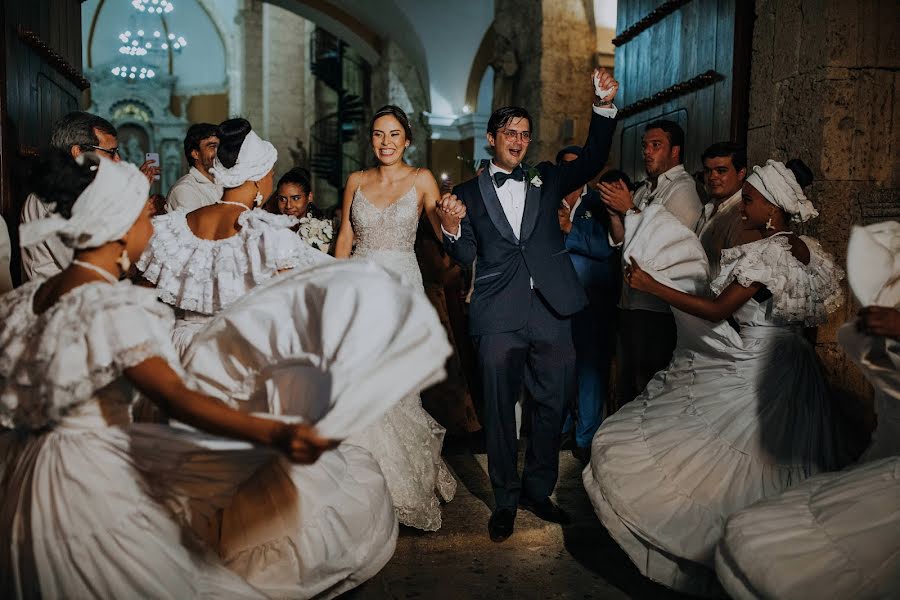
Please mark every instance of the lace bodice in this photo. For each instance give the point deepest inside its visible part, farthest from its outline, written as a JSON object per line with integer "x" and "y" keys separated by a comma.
{"x": 800, "y": 293}
{"x": 390, "y": 228}
{"x": 55, "y": 364}
{"x": 205, "y": 276}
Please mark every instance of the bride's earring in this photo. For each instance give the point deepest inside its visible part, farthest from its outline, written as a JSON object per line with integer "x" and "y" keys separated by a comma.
{"x": 769, "y": 224}
{"x": 123, "y": 261}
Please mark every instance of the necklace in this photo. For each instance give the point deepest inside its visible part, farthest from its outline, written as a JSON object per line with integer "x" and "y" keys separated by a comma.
{"x": 100, "y": 271}
{"x": 244, "y": 206}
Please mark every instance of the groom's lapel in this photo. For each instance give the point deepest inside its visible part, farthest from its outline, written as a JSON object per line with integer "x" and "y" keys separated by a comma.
{"x": 532, "y": 208}
{"x": 493, "y": 208}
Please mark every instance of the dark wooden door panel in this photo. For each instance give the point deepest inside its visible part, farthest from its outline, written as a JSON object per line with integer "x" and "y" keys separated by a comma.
{"x": 681, "y": 60}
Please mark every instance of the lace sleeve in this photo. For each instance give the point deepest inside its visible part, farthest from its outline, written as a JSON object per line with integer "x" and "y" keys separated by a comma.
{"x": 83, "y": 343}
{"x": 800, "y": 293}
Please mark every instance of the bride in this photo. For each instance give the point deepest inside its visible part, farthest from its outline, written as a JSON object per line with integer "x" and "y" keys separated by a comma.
{"x": 735, "y": 417}
{"x": 381, "y": 210}
{"x": 92, "y": 505}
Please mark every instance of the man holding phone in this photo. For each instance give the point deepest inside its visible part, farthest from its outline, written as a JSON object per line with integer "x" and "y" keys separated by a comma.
{"x": 197, "y": 189}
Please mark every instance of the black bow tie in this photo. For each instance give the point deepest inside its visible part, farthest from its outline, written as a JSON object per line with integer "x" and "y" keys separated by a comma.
{"x": 518, "y": 174}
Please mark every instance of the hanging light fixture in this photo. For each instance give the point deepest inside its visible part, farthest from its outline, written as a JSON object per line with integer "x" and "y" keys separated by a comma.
{"x": 150, "y": 46}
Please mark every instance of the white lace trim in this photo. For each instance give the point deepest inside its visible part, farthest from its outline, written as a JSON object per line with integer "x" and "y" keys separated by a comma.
{"x": 53, "y": 362}
{"x": 205, "y": 276}
{"x": 800, "y": 293}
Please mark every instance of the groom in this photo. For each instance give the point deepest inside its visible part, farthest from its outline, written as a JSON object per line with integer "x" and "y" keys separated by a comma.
{"x": 525, "y": 291}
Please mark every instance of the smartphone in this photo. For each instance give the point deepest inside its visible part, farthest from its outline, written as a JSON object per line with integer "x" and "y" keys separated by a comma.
{"x": 154, "y": 156}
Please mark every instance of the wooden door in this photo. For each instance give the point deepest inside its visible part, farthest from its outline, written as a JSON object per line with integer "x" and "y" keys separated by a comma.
{"x": 40, "y": 81}
{"x": 686, "y": 61}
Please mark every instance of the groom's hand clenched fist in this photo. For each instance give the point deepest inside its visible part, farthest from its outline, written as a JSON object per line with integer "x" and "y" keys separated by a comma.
{"x": 451, "y": 211}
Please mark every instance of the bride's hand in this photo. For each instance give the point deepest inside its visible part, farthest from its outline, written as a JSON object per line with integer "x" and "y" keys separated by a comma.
{"x": 451, "y": 211}
{"x": 302, "y": 444}
{"x": 637, "y": 278}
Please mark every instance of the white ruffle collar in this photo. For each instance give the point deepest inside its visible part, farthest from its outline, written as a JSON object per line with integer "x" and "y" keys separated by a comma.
{"x": 205, "y": 276}
{"x": 800, "y": 293}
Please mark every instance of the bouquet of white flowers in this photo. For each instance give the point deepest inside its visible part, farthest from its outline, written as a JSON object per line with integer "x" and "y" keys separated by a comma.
{"x": 318, "y": 233}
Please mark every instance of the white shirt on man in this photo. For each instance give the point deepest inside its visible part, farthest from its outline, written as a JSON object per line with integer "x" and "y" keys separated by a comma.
{"x": 193, "y": 191}
{"x": 49, "y": 257}
{"x": 676, "y": 190}
{"x": 719, "y": 230}
{"x": 512, "y": 199}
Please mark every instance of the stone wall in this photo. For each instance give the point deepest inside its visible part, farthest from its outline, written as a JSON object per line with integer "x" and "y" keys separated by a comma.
{"x": 554, "y": 43}
{"x": 824, "y": 84}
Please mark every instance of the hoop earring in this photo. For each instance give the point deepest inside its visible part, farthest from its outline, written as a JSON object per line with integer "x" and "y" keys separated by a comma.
{"x": 769, "y": 224}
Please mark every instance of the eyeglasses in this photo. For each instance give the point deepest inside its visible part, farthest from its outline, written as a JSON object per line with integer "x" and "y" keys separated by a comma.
{"x": 111, "y": 151}
{"x": 512, "y": 134}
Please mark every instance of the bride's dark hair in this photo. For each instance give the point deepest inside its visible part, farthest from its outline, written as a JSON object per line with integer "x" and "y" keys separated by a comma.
{"x": 397, "y": 113}
{"x": 58, "y": 179}
{"x": 231, "y": 134}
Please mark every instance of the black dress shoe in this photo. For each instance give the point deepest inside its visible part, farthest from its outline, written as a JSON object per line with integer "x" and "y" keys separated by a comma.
{"x": 582, "y": 454}
{"x": 500, "y": 526}
{"x": 545, "y": 509}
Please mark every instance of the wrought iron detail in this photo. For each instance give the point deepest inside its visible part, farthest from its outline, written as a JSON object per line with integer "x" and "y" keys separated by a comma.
{"x": 648, "y": 21}
{"x": 53, "y": 58}
{"x": 670, "y": 93}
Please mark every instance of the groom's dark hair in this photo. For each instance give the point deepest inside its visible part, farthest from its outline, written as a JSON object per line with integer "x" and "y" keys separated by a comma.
{"x": 502, "y": 116}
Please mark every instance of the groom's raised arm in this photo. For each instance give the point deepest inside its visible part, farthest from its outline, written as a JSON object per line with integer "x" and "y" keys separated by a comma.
{"x": 576, "y": 173}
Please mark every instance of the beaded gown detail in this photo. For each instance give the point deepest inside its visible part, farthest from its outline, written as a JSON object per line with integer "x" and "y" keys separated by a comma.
{"x": 407, "y": 441}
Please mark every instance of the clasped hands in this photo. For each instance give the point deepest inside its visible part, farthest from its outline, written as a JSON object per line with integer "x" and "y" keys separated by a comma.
{"x": 451, "y": 211}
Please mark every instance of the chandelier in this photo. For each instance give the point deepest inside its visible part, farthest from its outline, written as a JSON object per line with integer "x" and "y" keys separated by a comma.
{"x": 153, "y": 6}
{"x": 145, "y": 49}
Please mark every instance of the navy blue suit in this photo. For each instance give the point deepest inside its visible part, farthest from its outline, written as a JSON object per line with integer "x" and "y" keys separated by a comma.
{"x": 523, "y": 335}
{"x": 595, "y": 263}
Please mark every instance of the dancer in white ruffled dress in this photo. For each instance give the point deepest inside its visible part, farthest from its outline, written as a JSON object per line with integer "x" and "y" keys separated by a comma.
{"x": 203, "y": 261}
{"x": 93, "y": 506}
{"x": 837, "y": 535}
{"x": 407, "y": 442}
{"x": 734, "y": 418}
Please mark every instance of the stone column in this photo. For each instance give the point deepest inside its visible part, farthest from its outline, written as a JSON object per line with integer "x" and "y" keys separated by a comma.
{"x": 250, "y": 28}
{"x": 285, "y": 64}
{"x": 824, "y": 81}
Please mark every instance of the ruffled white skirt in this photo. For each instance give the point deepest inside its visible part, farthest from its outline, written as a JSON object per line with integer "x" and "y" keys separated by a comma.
{"x": 836, "y": 535}
{"x": 150, "y": 511}
{"x": 710, "y": 435}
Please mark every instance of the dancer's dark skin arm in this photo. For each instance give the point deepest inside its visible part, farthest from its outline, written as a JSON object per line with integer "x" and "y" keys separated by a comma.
{"x": 712, "y": 309}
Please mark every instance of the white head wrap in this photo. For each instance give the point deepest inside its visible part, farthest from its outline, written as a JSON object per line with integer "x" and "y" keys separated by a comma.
{"x": 779, "y": 186}
{"x": 873, "y": 264}
{"x": 255, "y": 160}
{"x": 103, "y": 212}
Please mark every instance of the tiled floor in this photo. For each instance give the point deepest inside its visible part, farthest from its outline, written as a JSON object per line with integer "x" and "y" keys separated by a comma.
{"x": 540, "y": 561}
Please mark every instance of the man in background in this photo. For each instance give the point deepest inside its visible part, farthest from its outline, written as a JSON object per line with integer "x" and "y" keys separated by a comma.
{"x": 75, "y": 133}
{"x": 197, "y": 189}
{"x": 720, "y": 225}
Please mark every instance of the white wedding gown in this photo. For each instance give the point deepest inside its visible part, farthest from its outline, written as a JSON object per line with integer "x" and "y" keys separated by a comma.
{"x": 733, "y": 419}
{"x": 93, "y": 506}
{"x": 407, "y": 441}
{"x": 836, "y": 535}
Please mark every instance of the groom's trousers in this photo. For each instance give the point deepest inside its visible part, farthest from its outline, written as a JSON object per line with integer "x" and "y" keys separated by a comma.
{"x": 542, "y": 357}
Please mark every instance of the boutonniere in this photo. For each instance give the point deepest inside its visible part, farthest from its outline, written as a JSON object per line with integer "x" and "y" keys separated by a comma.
{"x": 534, "y": 177}
{"x": 587, "y": 215}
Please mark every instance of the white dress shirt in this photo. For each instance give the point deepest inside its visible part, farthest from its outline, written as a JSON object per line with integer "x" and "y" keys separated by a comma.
{"x": 50, "y": 256}
{"x": 193, "y": 191}
{"x": 719, "y": 230}
{"x": 676, "y": 190}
